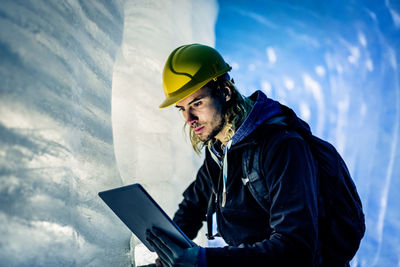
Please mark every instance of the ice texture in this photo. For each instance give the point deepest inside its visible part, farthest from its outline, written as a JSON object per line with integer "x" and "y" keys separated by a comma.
{"x": 66, "y": 134}
{"x": 336, "y": 63}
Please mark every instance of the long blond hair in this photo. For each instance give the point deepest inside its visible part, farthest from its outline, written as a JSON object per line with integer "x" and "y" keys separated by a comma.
{"x": 235, "y": 111}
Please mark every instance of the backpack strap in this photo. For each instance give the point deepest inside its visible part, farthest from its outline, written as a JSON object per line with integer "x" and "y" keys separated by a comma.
{"x": 253, "y": 173}
{"x": 252, "y": 177}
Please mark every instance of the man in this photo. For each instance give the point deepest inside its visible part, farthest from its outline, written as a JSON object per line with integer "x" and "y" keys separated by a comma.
{"x": 229, "y": 126}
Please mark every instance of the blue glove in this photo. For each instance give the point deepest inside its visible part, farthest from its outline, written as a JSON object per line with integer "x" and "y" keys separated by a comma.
{"x": 170, "y": 253}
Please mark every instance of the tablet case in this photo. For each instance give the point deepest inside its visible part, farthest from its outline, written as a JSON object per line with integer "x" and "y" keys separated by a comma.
{"x": 138, "y": 210}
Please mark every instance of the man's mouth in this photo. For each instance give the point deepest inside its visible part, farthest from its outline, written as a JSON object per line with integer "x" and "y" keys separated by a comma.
{"x": 198, "y": 129}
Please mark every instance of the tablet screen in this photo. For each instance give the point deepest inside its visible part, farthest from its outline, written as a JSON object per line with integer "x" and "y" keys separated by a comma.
{"x": 139, "y": 212}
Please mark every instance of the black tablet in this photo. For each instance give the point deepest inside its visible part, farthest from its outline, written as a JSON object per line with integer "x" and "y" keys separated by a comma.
{"x": 138, "y": 210}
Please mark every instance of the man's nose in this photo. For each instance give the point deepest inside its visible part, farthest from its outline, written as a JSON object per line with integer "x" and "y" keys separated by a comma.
{"x": 190, "y": 118}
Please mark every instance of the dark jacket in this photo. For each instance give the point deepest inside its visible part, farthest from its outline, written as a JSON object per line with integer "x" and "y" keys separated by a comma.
{"x": 285, "y": 236}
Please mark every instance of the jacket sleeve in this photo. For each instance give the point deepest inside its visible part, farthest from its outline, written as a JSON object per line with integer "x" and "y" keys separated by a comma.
{"x": 193, "y": 208}
{"x": 291, "y": 180}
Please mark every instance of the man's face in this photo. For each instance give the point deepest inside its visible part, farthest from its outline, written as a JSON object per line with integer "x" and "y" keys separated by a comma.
{"x": 203, "y": 113}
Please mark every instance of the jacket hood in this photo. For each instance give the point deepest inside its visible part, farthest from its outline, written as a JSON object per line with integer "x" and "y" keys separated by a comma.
{"x": 268, "y": 111}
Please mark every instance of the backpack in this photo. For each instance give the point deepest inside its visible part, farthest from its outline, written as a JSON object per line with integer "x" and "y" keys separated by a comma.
{"x": 341, "y": 219}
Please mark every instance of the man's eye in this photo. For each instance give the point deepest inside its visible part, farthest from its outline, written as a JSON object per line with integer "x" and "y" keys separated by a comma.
{"x": 197, "y": 104}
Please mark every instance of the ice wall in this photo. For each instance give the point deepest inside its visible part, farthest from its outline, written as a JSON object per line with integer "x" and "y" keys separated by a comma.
{"x": 56, "y": 136}
{"x": 58, "y": 130}
{"x": 150, "y": 146}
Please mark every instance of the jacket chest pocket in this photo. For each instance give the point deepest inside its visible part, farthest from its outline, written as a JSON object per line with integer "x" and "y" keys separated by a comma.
{"x": 241, "y": 197}
{"x": 253, "y": 179}
{"x": 258, "y": 191}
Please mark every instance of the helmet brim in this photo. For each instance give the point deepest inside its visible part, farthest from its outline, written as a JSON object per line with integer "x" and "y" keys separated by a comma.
{"x": 182, "y": 93}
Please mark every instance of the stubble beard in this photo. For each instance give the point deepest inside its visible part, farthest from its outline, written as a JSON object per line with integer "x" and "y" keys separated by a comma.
{"x": 215, "y": 131}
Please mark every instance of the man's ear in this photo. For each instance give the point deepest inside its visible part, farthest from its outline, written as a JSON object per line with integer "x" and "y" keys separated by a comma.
{"x": 227, "y": 93}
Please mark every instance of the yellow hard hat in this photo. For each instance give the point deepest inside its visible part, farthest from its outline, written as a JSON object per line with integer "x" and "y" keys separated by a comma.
{"x": 189, "y": 68}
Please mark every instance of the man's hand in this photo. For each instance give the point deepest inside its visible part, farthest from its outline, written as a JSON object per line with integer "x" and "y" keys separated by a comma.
{"x": 170, "y": 253}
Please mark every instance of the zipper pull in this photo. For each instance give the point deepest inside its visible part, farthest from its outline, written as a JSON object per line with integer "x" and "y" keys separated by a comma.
{"x": 245, "y": 180}
{"x": 223, "y": 199}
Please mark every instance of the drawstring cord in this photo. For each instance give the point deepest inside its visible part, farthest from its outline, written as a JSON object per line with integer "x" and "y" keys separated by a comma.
{"x": 225, "y": 171}
{"x": 213, "y": 198}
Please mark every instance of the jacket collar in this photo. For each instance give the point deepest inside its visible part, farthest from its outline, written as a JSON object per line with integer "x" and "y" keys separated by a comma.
{"x": 264, "y": 111}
